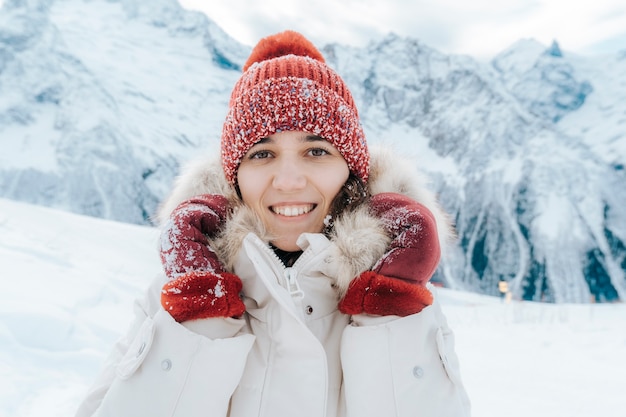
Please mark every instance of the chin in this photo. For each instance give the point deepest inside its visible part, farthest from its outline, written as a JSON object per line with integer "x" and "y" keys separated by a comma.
{"x": 288, "y": 240}
{"x": 286, "y": 246}
{"x": 287, "y": 243}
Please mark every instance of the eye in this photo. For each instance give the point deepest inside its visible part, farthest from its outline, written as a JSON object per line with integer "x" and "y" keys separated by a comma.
{"x": 261, "y": 154}
{"x": 318, "y": 152}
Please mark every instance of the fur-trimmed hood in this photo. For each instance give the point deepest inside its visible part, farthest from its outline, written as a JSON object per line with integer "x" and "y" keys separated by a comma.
{"x": 358, "y": 236}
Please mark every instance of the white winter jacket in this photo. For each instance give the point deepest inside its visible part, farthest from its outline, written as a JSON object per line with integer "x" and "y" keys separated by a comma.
{"x": 293, "y": 353}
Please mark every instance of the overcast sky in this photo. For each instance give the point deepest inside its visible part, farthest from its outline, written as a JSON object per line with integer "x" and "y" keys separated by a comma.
{"x": 480, "y": 28}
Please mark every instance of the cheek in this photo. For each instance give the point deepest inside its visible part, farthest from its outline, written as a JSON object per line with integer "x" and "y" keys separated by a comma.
{"x": 250, "y": 186}
{"x": 332, "y": 180}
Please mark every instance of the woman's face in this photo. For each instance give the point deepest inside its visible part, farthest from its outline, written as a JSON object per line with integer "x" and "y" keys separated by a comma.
{"x": 290, "y": 180}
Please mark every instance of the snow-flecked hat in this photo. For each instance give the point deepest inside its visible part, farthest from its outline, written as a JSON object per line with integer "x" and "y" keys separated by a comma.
{"x": 287, "y": 86}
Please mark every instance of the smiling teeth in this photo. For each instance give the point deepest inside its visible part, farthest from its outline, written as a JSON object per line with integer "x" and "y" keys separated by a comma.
{"x": 291, "y": 211}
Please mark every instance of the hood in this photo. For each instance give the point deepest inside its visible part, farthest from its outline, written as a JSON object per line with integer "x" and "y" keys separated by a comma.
{"x": 358, "y": 237}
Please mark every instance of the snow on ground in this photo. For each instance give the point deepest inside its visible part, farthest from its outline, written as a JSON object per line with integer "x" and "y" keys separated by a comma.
{"x": 68, "y": 283}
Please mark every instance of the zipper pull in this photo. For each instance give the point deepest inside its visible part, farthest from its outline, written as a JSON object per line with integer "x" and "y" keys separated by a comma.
{"x": 292, "y": 283}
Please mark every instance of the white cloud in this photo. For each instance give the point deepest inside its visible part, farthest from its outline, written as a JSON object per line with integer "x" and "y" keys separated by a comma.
{"x": 480, "y": 28}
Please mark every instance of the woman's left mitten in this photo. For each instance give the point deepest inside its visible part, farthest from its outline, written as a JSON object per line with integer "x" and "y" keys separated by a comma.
{"x": 396, "y": 285}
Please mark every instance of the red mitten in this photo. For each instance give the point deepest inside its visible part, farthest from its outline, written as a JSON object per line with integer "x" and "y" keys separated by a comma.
{"x": 371, "y": 293}
{"x": 199, "y": 295}
{"x": 414, "y": 251}
{"x": 184, "y": 238}
{"x": 199, "y": 286}
{"x": 396, "y": 284}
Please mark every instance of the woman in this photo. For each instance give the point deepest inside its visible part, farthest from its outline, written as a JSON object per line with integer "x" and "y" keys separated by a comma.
{"x": 296, "y": 269}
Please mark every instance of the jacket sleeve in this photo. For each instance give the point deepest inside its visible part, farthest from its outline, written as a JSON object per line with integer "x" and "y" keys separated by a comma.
{"x": 402, "y": 367}
{"x": 164, "y": 368}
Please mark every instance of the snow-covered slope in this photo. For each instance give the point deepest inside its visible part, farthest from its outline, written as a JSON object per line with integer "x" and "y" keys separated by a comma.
{"x": 102, "y": 101}
{"x": 68, "y": 283}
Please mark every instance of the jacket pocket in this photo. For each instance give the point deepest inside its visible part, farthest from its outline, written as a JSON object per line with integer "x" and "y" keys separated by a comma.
{"x": 170, "y": 371}
{"x": 445, "y": 348}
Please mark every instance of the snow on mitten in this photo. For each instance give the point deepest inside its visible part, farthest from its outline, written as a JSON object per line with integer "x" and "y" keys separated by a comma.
{"x": 203, "y": 294}
{"x": 396, "y": 284}
{"x": 184, "y": 243}
{"x": 198, "y": 287}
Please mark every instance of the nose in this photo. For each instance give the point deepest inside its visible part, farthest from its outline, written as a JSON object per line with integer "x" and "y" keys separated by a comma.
{"x": 289, "y": 176}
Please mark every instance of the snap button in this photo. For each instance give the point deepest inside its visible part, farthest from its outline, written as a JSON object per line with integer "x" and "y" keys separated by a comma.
{"x": 309, "y": 310}
{"x": 418, "y": 372}
{"x": 328, "y": 259}
{"x": 166, "y": 364}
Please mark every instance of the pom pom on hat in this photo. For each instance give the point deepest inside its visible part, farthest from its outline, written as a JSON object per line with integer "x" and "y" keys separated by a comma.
{"x": 287, "y": 86}
{"x": 281, "y": 44}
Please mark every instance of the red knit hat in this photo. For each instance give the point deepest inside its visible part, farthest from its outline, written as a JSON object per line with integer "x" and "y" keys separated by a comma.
{"x": 287, "y": 86}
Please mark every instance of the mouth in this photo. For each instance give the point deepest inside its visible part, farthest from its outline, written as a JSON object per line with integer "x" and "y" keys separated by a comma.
{"x": 292, "y": 210}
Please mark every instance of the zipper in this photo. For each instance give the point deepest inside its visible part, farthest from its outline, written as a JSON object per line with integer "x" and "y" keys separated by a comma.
{"x": 287, "y": 276}
{"x": 292, "y": 283}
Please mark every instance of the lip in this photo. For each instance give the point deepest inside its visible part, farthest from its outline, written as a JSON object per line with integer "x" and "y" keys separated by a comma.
{"x": 291, "y": 210}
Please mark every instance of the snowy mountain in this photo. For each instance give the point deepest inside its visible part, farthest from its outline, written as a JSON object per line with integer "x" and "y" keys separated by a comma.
{"x": 102, "y": 101}
{"x": 535, "y": 203}
{"x": 68, "y": 284}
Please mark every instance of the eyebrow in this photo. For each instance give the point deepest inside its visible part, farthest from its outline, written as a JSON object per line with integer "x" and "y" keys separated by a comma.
{"x": 307, "y": 138}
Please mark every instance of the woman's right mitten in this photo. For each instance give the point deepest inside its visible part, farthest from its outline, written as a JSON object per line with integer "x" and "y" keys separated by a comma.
{"x": 198, "y": 286}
